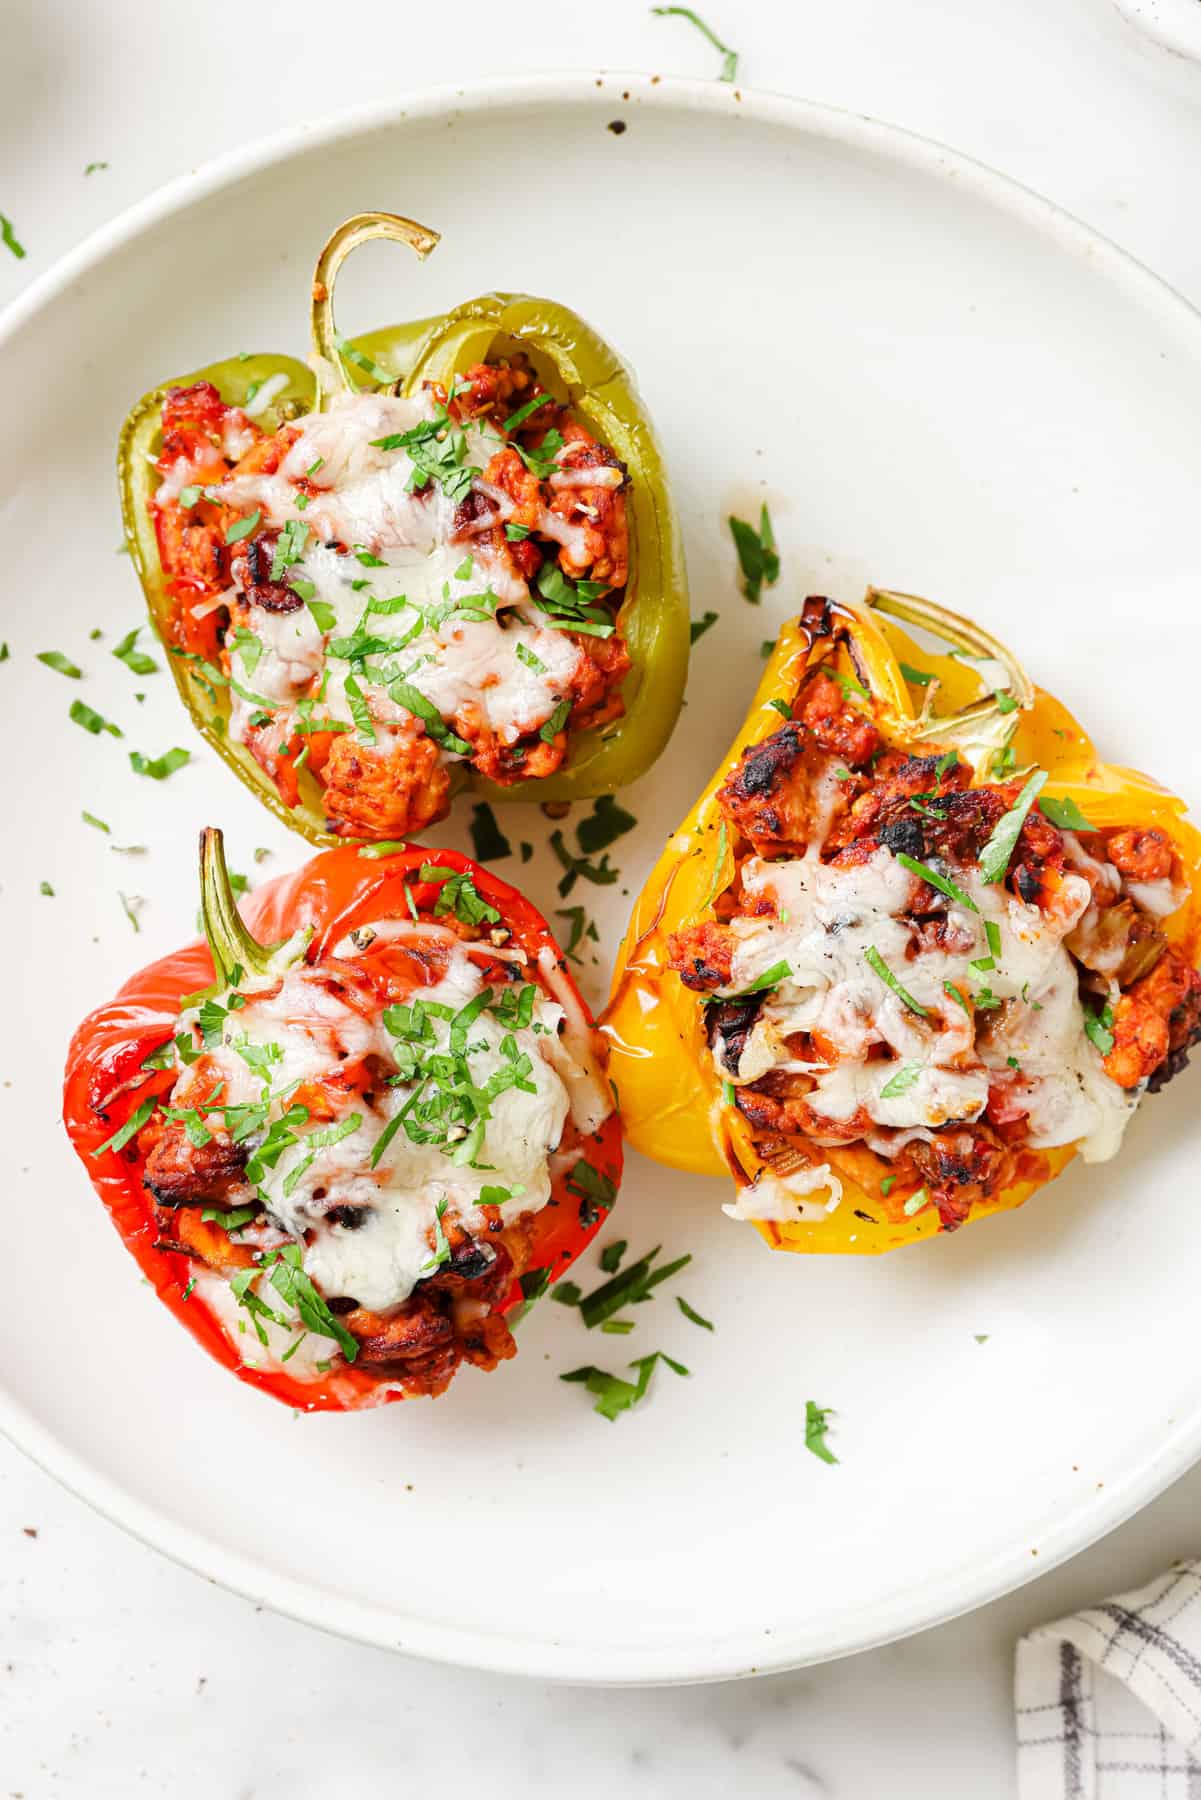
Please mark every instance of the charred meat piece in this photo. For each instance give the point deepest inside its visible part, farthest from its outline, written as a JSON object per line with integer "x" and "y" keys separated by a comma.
{"x": 728, "y": 1024}
{"x": 961, "y": 1167}
{"x": 701, "y": 955}
{"x": 178, "y": 1171}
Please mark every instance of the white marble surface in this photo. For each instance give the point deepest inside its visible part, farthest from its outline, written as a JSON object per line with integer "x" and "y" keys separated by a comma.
{"x": 123, "y": 1675}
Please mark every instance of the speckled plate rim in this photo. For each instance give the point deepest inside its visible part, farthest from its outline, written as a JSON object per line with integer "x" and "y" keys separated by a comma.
{"x": 711, "y": 1657}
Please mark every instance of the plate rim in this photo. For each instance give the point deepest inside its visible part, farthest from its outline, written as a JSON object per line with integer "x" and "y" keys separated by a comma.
{"x": 542, "y": 1657}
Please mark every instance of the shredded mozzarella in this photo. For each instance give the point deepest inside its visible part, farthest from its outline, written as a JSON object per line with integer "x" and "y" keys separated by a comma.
{"x": 824, "y": 921}
{"x": 309, "y": 1027}
{"x": 507, "y": 671}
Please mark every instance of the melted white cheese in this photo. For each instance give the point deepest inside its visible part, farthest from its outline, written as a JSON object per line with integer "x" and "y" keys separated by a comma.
{"x": 378, "y": 1263}
{"x": 826, "y": 920}
{"x": 784, "y": 1199}
{"x": 510, "y": 670}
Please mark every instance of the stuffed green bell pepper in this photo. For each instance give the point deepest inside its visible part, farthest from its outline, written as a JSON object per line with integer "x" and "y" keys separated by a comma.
{"x": 441, "y": 556}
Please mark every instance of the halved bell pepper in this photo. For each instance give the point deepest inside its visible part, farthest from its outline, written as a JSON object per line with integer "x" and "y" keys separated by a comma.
{"x": 575, "y": 364}
{"x": 675, "y": 1107}
{"x": 115, "y": 1080}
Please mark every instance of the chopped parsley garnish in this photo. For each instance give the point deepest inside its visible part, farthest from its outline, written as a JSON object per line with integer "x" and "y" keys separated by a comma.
{"x": 45, "y": 888}
{"x": 249, "y": 648}
{"x": 599, "y": 873}
{"x": 94, "y": 167}
{"x": 877, "y": 963}
{"x": 567, "y": 1293}
{"x": 8, "y": 238}
{"x": 900, "y": 1083}
{"x": 488, "y": 841}
{"x": 459, "y": 895}
{"x": 1097, "y": 1027}
{"x": 782, "y": 707}
{"x": 1065, "y": 814}
{"x": 607, "y": 822}
{"x": 54, "y": 659}
{"x": 581, "y": 928}
{"x": 955, "y": 994}
{"x": 572, "y": 604}
{"x": 1005, "y": 702}
{"x": 816, "y": 1428}
{"x": 850, "y": 687}
{"x": 132, "y": 905}
{"x": 886, "y": 1184}
{"x": 190, "y": 496}
{"x": 93, "y": 721}
{"x": 91, "y": 819}
{"x": 543, "y": 460}
{"x": 516, "y": 534}
{"x": 935, "y": 880}
{"x": 992, "y": 932}
{"x": 915, "y": 1202}
{"x": 288, "y": 1278}
{"x": 594, "y": 1191}
{"x": 614, "y": 1394}
{"x": 729, "y": 63}
{"x": 437, "y": 449}
{"x": 533, "y": 1284}
{"x": 757, "y": 556}
{"x": 360, "y": 712}
{"x": 994, "y": 858}
{"x": 632, "y": 1286}
{"x": 349, "y": 353}
{"x": 323, "y": 614}
{"x": 723, "y": 837}
{"x": 233, "y": 1220}
{"x": 414, "y": 701}
{"x": 319, "y": 1140}
{"x": 526, "y": 655}
{"x": 918, "y": 677}
{"x": 770, "y": 978}
{"x": 242, "y": 528}
{"x": 130, "y": 1129}
{"x": 700, "y": 626}
{"x": 691, "y": 1313}
{"x": 523, "y": 412}
{"x": 1004, "y": 760}
{"x": 135, "y": 660}
{"x": 158, "y": 768}
{"x": 385, "y": 847}
{"x": 289, "y": 547}
{"x": 554, "y": 725}
{"x": 611, "y": 1255}
{"x": 946, "y": 763}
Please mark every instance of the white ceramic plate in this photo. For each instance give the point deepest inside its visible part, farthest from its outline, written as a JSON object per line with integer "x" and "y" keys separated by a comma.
{"x": 941, "y": 384}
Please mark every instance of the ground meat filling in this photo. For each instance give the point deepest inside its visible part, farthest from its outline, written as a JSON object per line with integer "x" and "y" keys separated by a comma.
{"x": 396, "y": 587}
{"x": 996, "y": 1022}
{"x": 349, "y": 1055}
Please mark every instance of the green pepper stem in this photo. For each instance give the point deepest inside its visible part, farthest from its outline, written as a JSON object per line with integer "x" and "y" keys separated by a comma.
{"x": 350, "y": 234}
{"x": 229, "y": 941}
{"x": 983, "y": 726}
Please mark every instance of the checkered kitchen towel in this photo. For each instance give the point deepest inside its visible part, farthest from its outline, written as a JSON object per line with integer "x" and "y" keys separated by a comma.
{"x": 1109, "y": 1702}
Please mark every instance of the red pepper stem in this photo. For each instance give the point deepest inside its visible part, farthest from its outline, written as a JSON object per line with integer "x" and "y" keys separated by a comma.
{"x": 331, "y": 362}
{"x": 232, "y": 947}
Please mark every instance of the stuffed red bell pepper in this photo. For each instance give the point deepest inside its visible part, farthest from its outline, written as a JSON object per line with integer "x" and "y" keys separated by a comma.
{"x": 345, "y": 1157}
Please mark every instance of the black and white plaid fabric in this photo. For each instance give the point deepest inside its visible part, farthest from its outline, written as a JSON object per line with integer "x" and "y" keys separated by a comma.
{"x": 1109, "y": 1702}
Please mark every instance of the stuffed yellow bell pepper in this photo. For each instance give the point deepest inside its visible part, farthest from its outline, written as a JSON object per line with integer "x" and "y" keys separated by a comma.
{"x": 914, "y": 948}
{"x": 443, "y": 556}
